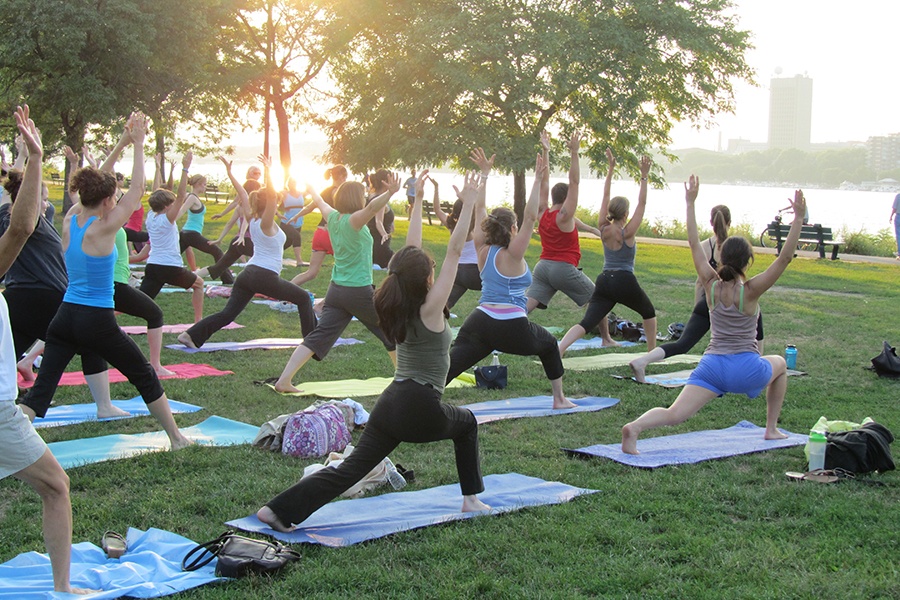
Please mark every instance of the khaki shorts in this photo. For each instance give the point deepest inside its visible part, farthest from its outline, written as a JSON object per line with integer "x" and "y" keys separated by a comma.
{"x": 551, "y": 276}
{"x": 20, "y": 445}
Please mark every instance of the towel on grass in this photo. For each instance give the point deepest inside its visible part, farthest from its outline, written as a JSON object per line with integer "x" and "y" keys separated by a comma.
{"x": 693, "y": 447}
{"x": 678, "y": 379}
{"x": 70, "y": 414}
{"x": 596, "y": 343}
{"x": 214, "y": 431}
{"x": 534, "y": 406}
{"x": 177, "y": 328}
{"x": 351, "y": 388}
{"x": 620, "y": 359}
{"x": 181, "y": 370}
{"x": 348, "y": 522}
{"x": 260, "y": 344}
{"x": 151, "y": 568}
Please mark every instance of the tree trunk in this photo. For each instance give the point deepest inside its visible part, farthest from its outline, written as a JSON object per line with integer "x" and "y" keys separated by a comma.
{"x": 284, "y": 142}
{"x": 74, "y": 134}
{"x": 519, "y": 194}
{"x": 161, "y": 150}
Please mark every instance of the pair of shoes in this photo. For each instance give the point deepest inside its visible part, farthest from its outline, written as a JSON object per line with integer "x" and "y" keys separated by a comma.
{"x": 113, "y": 544}
{"x": 821, "y": 475}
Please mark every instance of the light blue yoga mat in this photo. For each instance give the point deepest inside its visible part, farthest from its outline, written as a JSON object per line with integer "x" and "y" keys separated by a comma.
{"x": 71, "y": 414}
{"x": 149, "y": 569}
{"x": 596, "y": 343}
{"x": 693, "y": 447}
{"x": 260, "y": 344}
{"x": 348, "y": 522}
{"x": 214, "y": 431}
{"x": 679, "y": 379}
{"x": 534, "y": 406}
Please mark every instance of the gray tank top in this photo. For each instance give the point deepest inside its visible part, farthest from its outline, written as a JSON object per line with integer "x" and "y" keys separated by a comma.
{"x": 621, "y": 259}
{"x": 731, "y": 331}
{"x": 424, "y": 356}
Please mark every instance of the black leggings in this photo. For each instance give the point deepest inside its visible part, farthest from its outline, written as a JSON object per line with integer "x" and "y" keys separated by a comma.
{"x": 616, "y": 287}
{"x": 481, "y": 334}
{"x": 234, "y": 252}
{"x": 77, "y": 328}
{"x": 696, "y": 328}
{"x": 293, "y": 239}
{"x": 31, "y": 310}
{"x": 136, "y": 303}
{"x": 406, "y": 412}
{"x": 136, "y": 237}
{"x": 194, "y": 239}
{"x": 255, "y": 280}
{"x": 156, "y": 276}
{"x": 467, "y": 278}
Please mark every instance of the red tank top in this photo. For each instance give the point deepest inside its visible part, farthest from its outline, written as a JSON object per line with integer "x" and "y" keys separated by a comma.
{"x": 556, "y": 244}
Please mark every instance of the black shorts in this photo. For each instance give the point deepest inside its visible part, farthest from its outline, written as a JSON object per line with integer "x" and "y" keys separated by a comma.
{"x": 155, "y": 276}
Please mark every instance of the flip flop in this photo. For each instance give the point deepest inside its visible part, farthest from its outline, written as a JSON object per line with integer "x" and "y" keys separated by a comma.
{"x": 113, "y": 544}
{"x": 821, "y": 475}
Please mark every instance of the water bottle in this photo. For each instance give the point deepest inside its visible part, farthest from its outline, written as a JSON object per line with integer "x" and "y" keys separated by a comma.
{"x": 816, "y": 447}
{"x": 393, "y": 475}
{"x": 496, "y": 360}
{"x": 790, "y": 356}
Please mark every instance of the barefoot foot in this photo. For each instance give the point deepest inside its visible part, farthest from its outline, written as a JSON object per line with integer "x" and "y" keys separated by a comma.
{"x": 473, "y": 504}
{"x": 268, "y": 517}
{"x": 775, "y": 435}
{"x": 112, "y": 412}
{"x": 610, "y": 343}
{"x": 161, "y": 371}
{"x": 637, "y": 368}
{"x": 185, "y": 339}
{"x": 178, "y": 442}
{"x": 286, "y": 389}
{"x": 629, "y": 440}
{"x": 563, "y": 403}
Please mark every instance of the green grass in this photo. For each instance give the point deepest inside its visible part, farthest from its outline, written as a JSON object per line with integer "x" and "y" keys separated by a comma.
{"x": 734, "y": 528}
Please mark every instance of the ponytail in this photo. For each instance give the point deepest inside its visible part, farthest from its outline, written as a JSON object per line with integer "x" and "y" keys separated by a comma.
{"x": 720, "y": 219}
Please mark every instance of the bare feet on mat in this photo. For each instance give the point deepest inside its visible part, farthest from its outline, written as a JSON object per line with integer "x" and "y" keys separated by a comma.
{"x": 180, "y": 442}
{"x": 185, "y": 339}
{"x": 161, "y": 371}
{"x": 563, "y": 403}
{"x": 638, "y": 369}
{"x": 267, "y": 516}
{"x": 111, "y": 412}
{"x": 288, "y": 388}
{"x": 81, "y": 591}
{"x": 473, "y": 504}
{"x": 775, "y": 435}
{"x": 629, "y": 440}
{"x": 25, "y": 371}
{"x": 608, "y": 342}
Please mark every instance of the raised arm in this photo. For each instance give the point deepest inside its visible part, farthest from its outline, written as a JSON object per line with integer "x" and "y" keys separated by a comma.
{"x": 109, "y": 165}
{"x": 705, "y": 272}
{"x": 637, "y": 217}
{"x": 241, "y": 194}
{"x": 174, "y": 210}
{"x": 758, "y": 284}
{"x": 485, "y": 165}
{"x": 565, "y": 217}
{"x": 318, "y": 202}
{"x": 21, "y": 153}
{"x": 436, "y": 204}
{"x": 519, "y": 244}
{"x": 585, "y": 228}
{"x": 545, "y": 181}
{"x": 607, "y": 188}
{"x": 359, "y": 219}
{"x": 268, "y": 216}
{"x": 130, "y": 200}
{"x": 26, "y": 211}
{"x": 414, "y": 233}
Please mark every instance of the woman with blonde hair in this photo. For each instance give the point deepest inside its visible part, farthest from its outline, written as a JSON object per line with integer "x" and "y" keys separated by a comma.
{"x": 191, "y": 235}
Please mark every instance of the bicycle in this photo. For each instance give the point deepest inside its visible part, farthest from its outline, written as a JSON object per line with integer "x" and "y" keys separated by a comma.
{"x": 764, "y": 240}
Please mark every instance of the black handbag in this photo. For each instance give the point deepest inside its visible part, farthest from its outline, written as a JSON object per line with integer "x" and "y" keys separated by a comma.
{"x": 492, "y": 377}
{"x": 239, "y": 556}
{"x": 887, "y": 364}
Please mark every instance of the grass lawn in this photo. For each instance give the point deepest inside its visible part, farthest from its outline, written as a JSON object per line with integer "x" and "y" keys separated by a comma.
{"x": 734, "y": 528}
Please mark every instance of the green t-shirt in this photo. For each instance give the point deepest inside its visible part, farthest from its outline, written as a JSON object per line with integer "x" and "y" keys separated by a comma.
{"x": 121, "y": 272}
{"x": 352, "y": 252}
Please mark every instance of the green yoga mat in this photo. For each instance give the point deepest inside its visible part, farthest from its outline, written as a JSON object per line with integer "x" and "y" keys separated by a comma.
{"x": 350, "y": 388}
{"x": 620, "y": 359}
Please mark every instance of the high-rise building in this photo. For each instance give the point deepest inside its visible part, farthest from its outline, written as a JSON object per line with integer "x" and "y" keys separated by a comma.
{"x": 790, "y": 112}
{"x": 883, "y": 152}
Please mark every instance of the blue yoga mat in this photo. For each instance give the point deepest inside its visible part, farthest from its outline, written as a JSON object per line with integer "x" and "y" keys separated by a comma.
{"x": 151, "y": 568}
{"x": 534, "y": 406}
{"x": 214, "y": 431}
{"x": 260, "y": 344}
{"x": 349, "y": 522}
{"x": 693, "y": 447}
{"x": 70, "y": 414}
{"x": 595, "y": 343}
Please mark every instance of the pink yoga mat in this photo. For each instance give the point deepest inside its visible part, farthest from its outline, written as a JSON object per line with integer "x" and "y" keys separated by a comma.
{"x": 178, "y": 328}
{"x": 182, "y": 371}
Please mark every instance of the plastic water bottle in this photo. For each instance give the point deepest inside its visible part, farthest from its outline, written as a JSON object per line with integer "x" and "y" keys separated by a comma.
{"x": 496, "y": 360}
{"x": 393, "y": 475}
{"x": 816, "y": 447}
{"x": 790, "y": 356}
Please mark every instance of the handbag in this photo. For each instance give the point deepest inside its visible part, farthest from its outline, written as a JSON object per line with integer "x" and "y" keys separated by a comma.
{"x": 239, "y": 556}
{"x": 315, "y": 432}
{"x": 887, "y": 364}
{"x": 492, "y": 377}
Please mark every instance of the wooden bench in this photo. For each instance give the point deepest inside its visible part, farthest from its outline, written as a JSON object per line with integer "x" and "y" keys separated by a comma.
{"x": 427, "y": 208}
{"x": 811, "y": 234}
{"x": 56, "y": 179}
{"x": 213, "y": 190}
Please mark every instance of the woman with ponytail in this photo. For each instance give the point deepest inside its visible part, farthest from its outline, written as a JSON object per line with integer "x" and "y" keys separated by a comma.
{"x": 617, "y": 284}
{"x": 698, "y": 324}
{"x": 500, "y": 322}
{"x": 412, "y": 309}
{"x": 732, "y": 363}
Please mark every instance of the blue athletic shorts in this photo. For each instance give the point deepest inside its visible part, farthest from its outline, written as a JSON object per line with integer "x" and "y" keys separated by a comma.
{"x": 744, "y": 373}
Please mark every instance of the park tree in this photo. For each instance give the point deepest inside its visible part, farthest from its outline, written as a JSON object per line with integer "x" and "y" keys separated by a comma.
{"x": 427, "y": 81}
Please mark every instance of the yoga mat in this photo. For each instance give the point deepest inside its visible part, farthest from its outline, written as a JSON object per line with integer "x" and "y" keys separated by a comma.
{"x": 535, "y": 406}
{"x": 678, "y": 379}
{"x": 179, "y": 328}
{"x": 260, "y": 344}
{"x": 619, "y": 359}
{"x": 350, "y": 388}
{"x": 693, "y": 447}
{"x": 214, "y": 431}
{"x": 181, "y": 370}
{"x": 151, "y": 568}
{"x": 167, "y": 289}
{"x": 349, "y": 522}
{"x": 69, "y": 414}
{"x": 596, "y": 343}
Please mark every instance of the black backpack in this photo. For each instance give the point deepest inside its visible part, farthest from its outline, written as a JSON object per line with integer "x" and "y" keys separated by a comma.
{"x": 860, "y": 450}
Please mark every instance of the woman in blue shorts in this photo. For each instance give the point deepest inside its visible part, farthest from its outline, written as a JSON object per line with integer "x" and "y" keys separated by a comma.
{"x": 732, "y": 362}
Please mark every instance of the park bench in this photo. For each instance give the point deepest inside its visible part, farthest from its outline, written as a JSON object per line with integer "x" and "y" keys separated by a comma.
{"x": 427, "y": 208}
{"x": 56, "y": 179}
{"x": 213, "y": 190}
{"x": 811, "y": 234}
